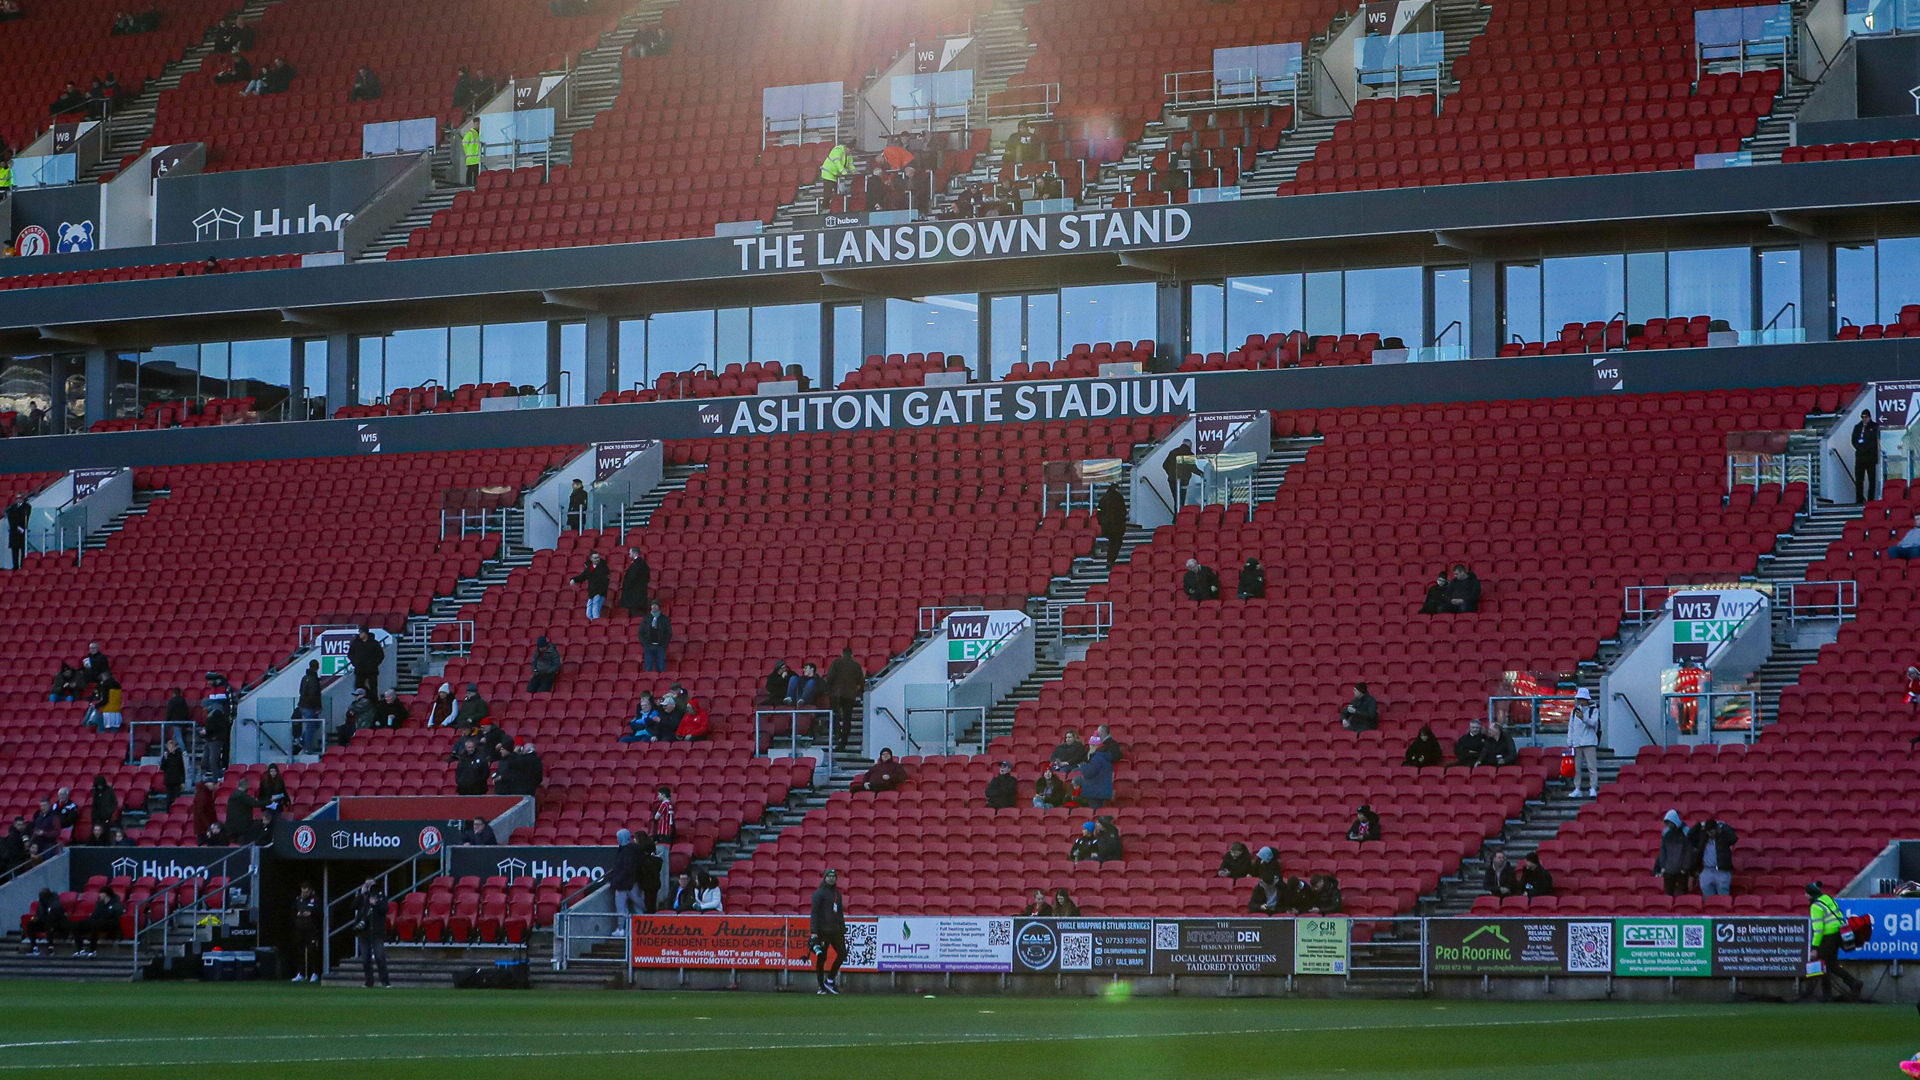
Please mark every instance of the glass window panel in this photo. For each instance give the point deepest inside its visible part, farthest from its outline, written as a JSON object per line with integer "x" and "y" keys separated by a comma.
{"x": 514, "y": 353}
{"x": 573, "y": 363}
{"x": 948, "y": 324}
{"x": 678, "y": 341}
{"x": 1715, "y": 282}
{"x": 1388, "y": 301}
{"x": 1206, "y": 317}
{"x": 1899, "y": 276}
{"x": 415, "y": 358}
{"x": 1646, "y": 286}
{"x": 1520, "y": 303}
{"x": 463, "y": 356}
{"x": 168, "y": 373}
{"x": 1325, "y": 308}
{"x": 1780, "y": 289}
{"x": 849, "y": 342}
{"x": 732, "y": 342}
{"x": 1583, "y": 290}
{"x": 75, "y": 378}
{"x": 216, "y": 365}
{"x": 1006, "y": 333}
{"x": 1271, "y": 304}
{"x": 315, "y": 351}
{"x": 1043, "y": 327}
{"x": 371, "y": 374}
{"x": 1855, "y": 299}
{"x": 631, "y": 349}
{"x": 124, "y": 402}
{"x": 25, "y": 381}
{"x": 1111, "y": 313}
{"x": 263, "y": 371}
{"x": 788, "y": 334}
{"x": 1452, "y": 309}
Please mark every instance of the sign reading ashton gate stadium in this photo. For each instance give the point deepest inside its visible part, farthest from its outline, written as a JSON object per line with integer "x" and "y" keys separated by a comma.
{"x": 986, "y": 403}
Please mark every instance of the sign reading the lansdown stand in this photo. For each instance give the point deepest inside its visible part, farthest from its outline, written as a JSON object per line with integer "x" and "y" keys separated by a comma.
{"x": 987, "y": 238}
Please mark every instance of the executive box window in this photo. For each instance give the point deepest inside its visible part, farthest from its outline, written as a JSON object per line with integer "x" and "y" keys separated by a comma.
{"x": 1873, "y": 281}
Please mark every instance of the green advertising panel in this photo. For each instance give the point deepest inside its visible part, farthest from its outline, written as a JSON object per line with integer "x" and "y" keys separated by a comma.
{"x": 1320, "y": 946}
{"x": 1663, "y": 947}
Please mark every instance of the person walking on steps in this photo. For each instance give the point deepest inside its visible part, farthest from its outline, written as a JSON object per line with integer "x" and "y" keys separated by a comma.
{"x": 1828, "y": 924}
{"x": 370, "y": 919}
{"x": 828, "y": 929}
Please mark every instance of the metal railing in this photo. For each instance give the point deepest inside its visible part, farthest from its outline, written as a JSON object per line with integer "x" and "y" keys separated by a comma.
{"x": 1092, "y": 620}
{"x": 1757, "y": 470}
{"x": 905, "y": 738}
{"x": 1531, "y": 716}
{"x": 427, "y": 637}
{"x": 1756, "y": 55}
{"x": 238, "y": 869}
{"x": 793, "y": 729}
{"x": 804, "y": 128}
{"x": 1032, "y": 102}
{"x": 947, "y": 727}
{"x": 1210, "y": 89}
{"x": 1797, "y": 601}
{"x": 482, "y": 522}
{"x": 338, "y": 916}
{"x": 1712, "y": 716}
{"x": 588, "y": 917}
{"x": 933, "y": 615}
{"x": 187, "y": 733}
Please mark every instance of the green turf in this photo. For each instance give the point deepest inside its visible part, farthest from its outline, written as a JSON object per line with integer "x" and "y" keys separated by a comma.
{"x": 283, "y": 1032}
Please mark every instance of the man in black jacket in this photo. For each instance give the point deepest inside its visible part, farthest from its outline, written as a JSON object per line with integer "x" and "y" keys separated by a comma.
{"x": 655, "y": 635}
{"x": 306, "y": 934}
{"x": 828, "y": 928}
{"x": 1468, "y": 748}
{"x": 1003, "y": 790}
{"x": 242, "y": 825}
{"x": 308, "y": 707}
{"x": 623, "y": 877}
{"x": 366, "y": 654}
{"x": 473, "y": 710}
{"x": 1112, "y": 515}
{"x": 1181, "y": 470}
{"x": 1463, "y": 591}
{"x": 846, "y": 681}
{"x": 19, "y": 513}
{"x": 470, "y": 762}
{"x": 1200, "y": 583}
{"x": 1253, "y": 580}
{"x": 595, "y": 576}
{"x": 1712, "y": 842}
{"x": 370, "y": 919}
{"x": 1362, "y": 713}
{"x": 366, "y": 86}
{"x": 1866, "y": 457}
{"x": 521, "y": 772}
{"x": 634, "y": 584}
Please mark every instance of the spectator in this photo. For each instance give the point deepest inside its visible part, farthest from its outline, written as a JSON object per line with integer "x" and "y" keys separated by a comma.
{"x": 1829, "y": 923}
{"x": 390, "y": 711}
{"x": 778, "y": 680}
{"x": 623, "y": 877}
{"x": 66, "y": 683}
{"x": 846, "y": 682}
{"x": 1107, "y": 844}
{"x": 306, "y": 934}
{"x": 885, "y": 775}
{"x": 365, "y": 655}
{"x": 1463, "y": 591}
{"x": 1436, "y": 601}
{"x": 494, "y": 741}
{"x": 681, "y": 898}
{"x": 1050, "y": 790}
{"x": 1712, "y": 844}
{"x": 273, "y": 794}
{"x": 1535, "y": 881}
{"x": 480, "y": 834}
{"x": 706, "y": 893}
{"x": 443, "y": 708}
{"x": 594, "y": 576}
{"x": 1912, "y": 677}
{"x": 463, "y": 91}
{"x": 108, "y": 699}
{"x": 173, "y": 768}
{"x": 1003, "y": 790}
{"x": 1866, "y": 455}
{"x": 1038, "y": 907}
{"x": 203, "y": 813}
{"x": 71, "y": 99}
{"x": 650, "y": 41}
{"x": 1200, "y": 583}
{"x": 1366, "y": 825}
{"x": 1468, "y": 748}
{"x": 361, "y": 715}
{"x": 1096, "y": 780}
{"x": 1498, "y": 748}
{"x": 577, "y": 505}
{"x": 804, "y": 687}
{"x": 119, "y": 838}
{"x": 1111, "y": 513}
{"x": 370, "y": 919}
{"x": 695, "y": 725}
{"x": 1237, "y": 862}
{"x": 309, "y": 706}
{"x": 1023, "y": 145}
{"x": 1063, "y": 905}
{"x": 521, "y": 772}
{"x": 1425, "y": 749}
{"x": 11, "y": 10}
{"x": 835, "y": 167}
{"x": 896, "y": 155}
{"x": 876, "y": 187}
{"x": 45, "y": 833}
{"x": 1048, "y": 186}
{"x": 1253, "y": 580}
{"x": 471, "y": 765}
{"x": 1084, "y": 843}
{"x": 634, "y": 582}
{"x": 276, "y": 79}
{"x": 1181, "y": 467}
{"x": 546, "y": 666}
{"x": 98, "y": 837}
{"x": 1322, "y": 896}
{"x": 666, "y": 832}
{"x": 19, "y": 515}
{"x": 1501, "y": 878}
{"x": 1271, "y": 891}
{"x": 179, "y": 715}
{"x": 1908, "y": 546}
{"x": 64, "y": 806}
{"x": 1071, "y": 752}
{"x": 473, "y": 710}
{"x": 1103, "y": 740}
{"x": 366, "y": 86}
{"x": 49, "y": 919}
{"x": 1676, "y": 855}
{"x": 647, "y": 724}
{"x": 239, "y": 70}
{"x": 15, "y": 843}
{"x": 94, "y": 666}
{"x": 655, "y": 635}
{"x": 1362, "y": 713}
{"x": 104, "y": 809}
{"x": 1583, "y": 740}
{"x": 242, "y": 825}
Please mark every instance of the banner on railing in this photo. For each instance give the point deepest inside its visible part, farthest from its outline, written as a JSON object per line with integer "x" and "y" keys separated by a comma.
{"x": 740, "y": 942}
{"x": 88, "y": 481}
{"x": 581, "y": 861}
{"x": 1320, "y": 946}
{"x": 1720, "y": 946}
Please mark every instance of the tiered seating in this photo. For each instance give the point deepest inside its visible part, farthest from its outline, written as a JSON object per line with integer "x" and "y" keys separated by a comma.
{"x": 142, "y": 273}
{"x": 416, "y": 50}
{"x": 1220, "y": 146}
{"x": 69, "y": 41}
{"x": 1552, "y": 91}
{"x": 1678, "y": 332}
{"x": 219, "y": 576}
{"x": 213, "y": 412}
{"x": 146, "y": 898}
{"x": 1850, "y": 151}
{"x": 681, "y": 150}
{"x": 1557, "y": 505}
{"x": 1907, "y": 326}
{"x": 1297, "y": 349}
{"x": 1085, "y": 360}
{"x": 492, "y": 910}
{"x": 896, "y": 369}
{"x": 415, "y": 400}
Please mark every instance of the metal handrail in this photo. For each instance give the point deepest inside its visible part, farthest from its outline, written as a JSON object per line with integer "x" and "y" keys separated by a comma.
{"x": 1754, "y": 469}
{"x": 1705, "y": 725}
{"x": 1640, "y": 723}
{"x": 793, "y": 716}
{"x": 897, "y": 726}
{"x": 1784, "y": 308}
{"x": 201, "y": 904}
{"x": 329, "y": 929}
{"x": 1844, "y": 605}
{"x": 933, "y": 615}
{"x": 481, "y": 521}
{"x": 947, "y": 712}
{"x": 1102, "y": 619}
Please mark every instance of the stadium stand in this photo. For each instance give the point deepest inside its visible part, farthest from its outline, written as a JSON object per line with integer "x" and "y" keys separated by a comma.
{"x": 211, "y": 412}
{"x": 897, "y": 369}
{"x": 1297, "y": 349}
{"x": 1678, "y": 332}
{"x": 415, "y": 50}
{"x": 1850, "y": 151}
{"x": 1341, "y": 603}
{"x": 1908, "y": 326}
{"x": 141, "y": 273}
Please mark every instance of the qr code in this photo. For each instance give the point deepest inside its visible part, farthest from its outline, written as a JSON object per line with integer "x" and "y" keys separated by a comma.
{"x": 1693, "y": 937}
{"x": 862, "y": 943}
{"x": 999, "y": 931}
{"x": 1076, "y": 952}
{"x": 1166, "y": 936}
{"x": 1590, "y": 948}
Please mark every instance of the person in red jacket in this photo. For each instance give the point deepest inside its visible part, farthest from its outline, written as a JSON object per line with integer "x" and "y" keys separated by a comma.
{"x": 1913, "y": 695}
{"x": 695, "y": 724}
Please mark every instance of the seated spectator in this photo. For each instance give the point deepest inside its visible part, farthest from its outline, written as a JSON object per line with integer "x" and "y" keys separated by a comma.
{"x": 49, "y": 920}
{"x": 1200, "y": 583}
{"x": 804, "y": 687}
{"x": 71, "y": 99}
{"x": 1362, "y": 713}
{"x": 520, "y": 772}
{"x": 440, "y": 714}
{"x": 44, "y": 834}
{"x": 1038, "y": 907}
{"x": 1436, "y": 601}
{"x": 1050, "y": 790}
{"x": 706, "y": 893}
{"x": 1908, "y": 546}
{"x": 390, "y": 711}
{"x": 1424, "y": 750}
{"x": 1063, "y": 905}
{"x": 1022, "y": 145}
{"x": 95, "y": 665}
{"x": 1322, "y": 896}
{"x": 275, "y": 78}
{"x": 366, "y": 86}
{"x": 885, "y": 775}
{"x": 683, "y": 896}
{"x": 1366, "y": 825}
{"x": 67, "y": 685}
{"x": 1535, "y": 881}
{"x": 1096, "y": 780}
{"x": 239, "y": 70}
{"x": 228, "y": 36}
{"x": 778, "y": 681}
{"x": 1003, "y": 790}
{"x": 1498, "y": 747}
{"x": 1463, "y": 591}
{"x": 694, "y": 724}
{"x": 273, "y": 795}
{"x": 102, "y": 922}
{"x": 14, "y": 845}
{"x": 1253, "y": 580}
{"x": 650, "y": 41}
{"x": 1071, "y": 752}
{"x": 647, "y": 724}
{"x": 108, "y": 699}
{"x": 1271, "y": 895}
{"x": 361, "y": 714}
{"x": 473, "y": 710}
{"x": 1103, "y": 737}
{"x": 478, "y": 832}
{"x": 546, "y": 666}
{"x": 1098, "y": 841}
{"x": 1501, "y": 879}
{"x": 215, "y": 835}
{"x": 1468, "y": 748}
{"x": 10, "y": 10}
{"x": 470, "y": 765}
{"x": 1237, "y": 862}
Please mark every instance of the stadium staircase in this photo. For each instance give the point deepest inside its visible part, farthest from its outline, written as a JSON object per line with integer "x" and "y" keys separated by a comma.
{"x": 142, "y": 500}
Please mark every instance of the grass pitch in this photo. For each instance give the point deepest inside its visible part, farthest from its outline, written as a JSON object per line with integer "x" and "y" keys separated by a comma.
{"x": 285, "y": 1032}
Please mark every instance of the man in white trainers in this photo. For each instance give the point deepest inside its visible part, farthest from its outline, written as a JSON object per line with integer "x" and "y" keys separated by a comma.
{"x": 1583, "y": 738}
